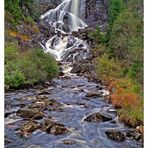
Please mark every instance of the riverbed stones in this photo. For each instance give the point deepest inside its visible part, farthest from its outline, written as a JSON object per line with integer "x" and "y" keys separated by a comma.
{"x": 29, "y": 127}
{"x": 52, "y": 127}
{"x": 115, "y": 135}
{"x": 41, "y": 97}
{"x": 98, "y": 117}
{"x": 35, "y": 146}
{"x": 30, "y": 113}
{"x": 57, "y": 129}
{"x": 42, "y": 92}
{"x": 69, "y": 141}
{"x": 135, "y": 135}
{"x": 93, "y": 94}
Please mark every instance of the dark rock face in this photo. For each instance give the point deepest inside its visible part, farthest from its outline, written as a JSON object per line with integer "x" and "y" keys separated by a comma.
{"x": 115, "y": 135}
{"x": 97, "y": 117}
{"x": 96, "y": 13}
{"x": 84, "y": 34}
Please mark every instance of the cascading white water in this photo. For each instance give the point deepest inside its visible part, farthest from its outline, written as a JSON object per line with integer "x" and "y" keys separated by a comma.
{"x": 69, "y": 10}
{"x": 64, "y": 19}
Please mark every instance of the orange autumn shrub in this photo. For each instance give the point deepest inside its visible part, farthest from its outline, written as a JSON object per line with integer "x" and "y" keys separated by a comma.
{"x": 17, "y": 34}
{"x": 122, "y": 98}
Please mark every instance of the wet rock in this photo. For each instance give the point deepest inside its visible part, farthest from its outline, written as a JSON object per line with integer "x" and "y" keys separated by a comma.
{"x": 31, "y": 98}
{"x": 7, "y": 141}
{"x": 135, "y": 135}
{"x": 93, "y": 94}
{"x": 42, "y": 92}
{"x": 57, "y": 129}
{"x": 115, "y": 135}
{"x": 80, "y": 67}
{"x": 34, "y": 146}
{"x": 97, "y": 117}
{"x": 52, "y": 127}
{"x": 140, "y": 129}
{"x": 69, "y": 142}
{"x": 29, "y": 127}
{"x": 30, "y": 113}
{"x": 41, "y": 97}
{"x": 61, "y": 73}
{"x": 43, "y": 104}
{"x": 66, "y": 78}
{"x": 54, "y": 103}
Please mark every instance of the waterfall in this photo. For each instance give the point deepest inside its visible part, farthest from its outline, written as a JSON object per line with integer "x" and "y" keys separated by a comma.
{"x": 65, "y": 19}
{"x": 65, "y": 16}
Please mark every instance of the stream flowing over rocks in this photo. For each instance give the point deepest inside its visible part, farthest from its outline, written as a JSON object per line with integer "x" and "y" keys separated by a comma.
{"x": 70, "y": 112}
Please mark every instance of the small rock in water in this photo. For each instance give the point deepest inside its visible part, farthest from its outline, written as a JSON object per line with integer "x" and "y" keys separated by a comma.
{"x": 31, "y": 98}
{"x": 115, "y": 135}
{"x": 29, "y": 127}
{"x": 42, "y": 92}
{"x": 69, "y": 142}
{"x": 57, "y": 129}
{"x": 34, "y": 146}
{"x": 61, "y": 73}
{"x": 97, "y": 117}
{"x": 52, "y": 127}
{"x": 30, "y": 113}
{"x": 41, "y": 97}
{"x": 93, "y": 94}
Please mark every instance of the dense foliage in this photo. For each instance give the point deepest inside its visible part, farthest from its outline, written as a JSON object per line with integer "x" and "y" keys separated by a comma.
{"x": 29, "y": 67}
{"x": 120, "y": 64}
{"x": 15, "y": 7}
{"x": 24, "y": 65}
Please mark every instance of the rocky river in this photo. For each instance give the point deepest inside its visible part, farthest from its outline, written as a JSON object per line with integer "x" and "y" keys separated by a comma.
{"x": 72, "y": 110}
{"x": 69, "y": 113}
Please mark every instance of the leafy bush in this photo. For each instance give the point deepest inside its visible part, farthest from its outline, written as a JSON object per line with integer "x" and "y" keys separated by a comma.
{"x": 120, "y": 64}
{"x": 115, "y": 8}
{"x": 29, "y": 67}
{"x": 108, "y": 69}
{"x": 127, "y": 95}
{"x": 15, "y": 8}
{"x": 98, "y": 35}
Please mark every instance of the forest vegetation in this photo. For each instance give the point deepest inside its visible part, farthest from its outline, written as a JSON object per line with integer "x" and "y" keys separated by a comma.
{"x": 119, "y": 61}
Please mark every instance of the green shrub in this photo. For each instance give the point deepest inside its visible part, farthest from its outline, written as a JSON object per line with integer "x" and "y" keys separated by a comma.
{"x": 98, "y": 35}
{"x": 115, "y": 8}
{"x": 15, "y": 8}
{"x": 29, "y": 67}
{"x": 108, "y": 68}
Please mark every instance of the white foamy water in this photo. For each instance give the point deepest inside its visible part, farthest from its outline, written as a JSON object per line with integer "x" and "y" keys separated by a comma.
{"x": 64, "y": 19}
{"x": 66, "y": 15}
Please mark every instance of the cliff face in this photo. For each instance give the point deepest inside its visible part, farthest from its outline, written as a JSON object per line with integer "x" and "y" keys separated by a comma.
{"x": 96, "y": 13}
